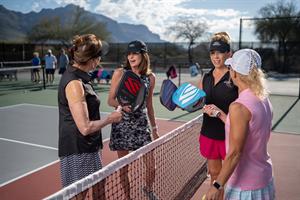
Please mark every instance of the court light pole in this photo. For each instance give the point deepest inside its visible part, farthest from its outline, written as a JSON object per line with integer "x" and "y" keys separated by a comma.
{"x": 299, "y": 89}
{"x": 240, "y": 34}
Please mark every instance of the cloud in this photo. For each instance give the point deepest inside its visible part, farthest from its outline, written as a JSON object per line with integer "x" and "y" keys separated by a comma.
{"x": 35, "y": 6}
{"x": 158, "y": 15}
{"x": 82, "y": 3}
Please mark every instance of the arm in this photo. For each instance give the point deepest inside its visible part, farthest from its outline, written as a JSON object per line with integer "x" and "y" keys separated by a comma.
{"x": 150, "y": 108}
{"x": 78, "y": 107}
{"x": 239, "y": 126}
{"x": 210, "y": 109}
{"x": 200, "y": 86}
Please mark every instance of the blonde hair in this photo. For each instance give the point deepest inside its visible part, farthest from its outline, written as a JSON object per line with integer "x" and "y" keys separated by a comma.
{"x": 257, "y": 82}
{"x": 144, "y": 67}
{"x": 85, "y": 47}
{"x": 223, "y": 36}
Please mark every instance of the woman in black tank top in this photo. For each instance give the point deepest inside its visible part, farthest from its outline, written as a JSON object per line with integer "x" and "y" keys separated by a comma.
{"x": 80, "y": 138}
{"x": 220, "y": 92}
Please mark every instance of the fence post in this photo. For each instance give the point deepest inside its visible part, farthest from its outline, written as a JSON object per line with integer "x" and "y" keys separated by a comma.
{"x": 299, "y": 89}
{"x": 240, "y": 36}
{"x": 44, "y": 82}
{"x": 165, "y": 55}
{"x": 179, "y": 75}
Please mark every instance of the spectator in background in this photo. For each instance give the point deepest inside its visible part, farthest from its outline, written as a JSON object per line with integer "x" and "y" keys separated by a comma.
{"x": 194, "y": 70}
{"x": 36, "y": 71}
{"x": 63, "y": 61}
{"x": 99, "y": 73}
{"x": 50, "y": 66}
{"x": 199, "y": 68}
{"x": 106, "y": 75}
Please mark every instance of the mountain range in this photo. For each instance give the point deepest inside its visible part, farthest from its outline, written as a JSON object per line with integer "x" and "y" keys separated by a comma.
{"x": 15, "y": 25}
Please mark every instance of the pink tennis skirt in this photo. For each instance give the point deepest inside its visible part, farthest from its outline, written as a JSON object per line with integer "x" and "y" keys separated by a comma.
{"x": 212, "y": 149}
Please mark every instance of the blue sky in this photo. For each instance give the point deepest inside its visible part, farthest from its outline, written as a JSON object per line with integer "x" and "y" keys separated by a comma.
{"x": 220, "y": 15}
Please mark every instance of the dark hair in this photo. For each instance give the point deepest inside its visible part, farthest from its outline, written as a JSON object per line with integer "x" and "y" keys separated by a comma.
{"x": 85, "y": 47}
{"x": 144, "y": 67}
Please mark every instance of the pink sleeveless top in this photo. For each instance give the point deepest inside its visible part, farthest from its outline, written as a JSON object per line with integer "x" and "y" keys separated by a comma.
{"x": 254, "y": 169}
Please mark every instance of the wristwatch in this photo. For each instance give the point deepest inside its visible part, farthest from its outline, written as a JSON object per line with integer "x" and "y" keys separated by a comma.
{"x": 217, "y": 185}
{"x": 216, "y": 113}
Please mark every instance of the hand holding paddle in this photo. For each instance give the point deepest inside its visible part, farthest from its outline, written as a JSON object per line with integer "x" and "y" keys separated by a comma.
{"x": 131, "y": 92}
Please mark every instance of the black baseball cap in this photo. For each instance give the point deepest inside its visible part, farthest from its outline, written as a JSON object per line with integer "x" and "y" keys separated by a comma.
{"x": 219, "y": 45}
{"x": 137, "y": 46}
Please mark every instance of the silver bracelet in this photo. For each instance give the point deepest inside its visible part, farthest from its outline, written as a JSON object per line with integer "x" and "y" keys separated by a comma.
{"x": 216, "y": 113}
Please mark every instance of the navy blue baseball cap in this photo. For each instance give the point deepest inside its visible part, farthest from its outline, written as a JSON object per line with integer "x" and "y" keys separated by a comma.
{"x": 137, "y": 46}
{"x": 219, "y": 45}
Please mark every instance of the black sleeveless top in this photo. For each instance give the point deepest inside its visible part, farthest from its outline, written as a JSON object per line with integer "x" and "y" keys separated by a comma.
{"x": 222, "y": 95}
{"x": 71, "y": 141}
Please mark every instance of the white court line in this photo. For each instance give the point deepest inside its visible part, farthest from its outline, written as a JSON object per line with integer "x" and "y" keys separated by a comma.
{"x": 38, "y": 169}
{"x": 29, "y": 144}
{"x": 40, "y": 146}
{"x": 28, "y": 173}
{"x": 12, "y": 106}
{"x": 38, "y": 105}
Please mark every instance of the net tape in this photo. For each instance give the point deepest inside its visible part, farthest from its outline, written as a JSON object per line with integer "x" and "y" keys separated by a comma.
{"x": 20, "y": 68}
{"x": 171, "y": 163}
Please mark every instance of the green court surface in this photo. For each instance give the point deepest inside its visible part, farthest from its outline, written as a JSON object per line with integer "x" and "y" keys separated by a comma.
{"x": 285, "y": 107}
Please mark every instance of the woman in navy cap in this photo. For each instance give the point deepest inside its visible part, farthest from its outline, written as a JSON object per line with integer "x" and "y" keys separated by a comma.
{"x": 219, "y": 92}
{"x": 134, "y": 131}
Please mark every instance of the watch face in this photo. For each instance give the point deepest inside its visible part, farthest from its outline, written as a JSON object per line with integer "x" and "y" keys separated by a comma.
{"x": 216, "y": 185}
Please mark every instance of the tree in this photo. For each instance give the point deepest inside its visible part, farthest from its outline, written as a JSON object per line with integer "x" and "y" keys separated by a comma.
{"x": 280, "y": 22}
{"x": 63, "y": 30}
{"x": 188, "y": 30}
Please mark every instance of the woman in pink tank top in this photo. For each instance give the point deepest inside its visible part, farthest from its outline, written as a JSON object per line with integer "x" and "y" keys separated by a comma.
{"x": 247, "y": 168}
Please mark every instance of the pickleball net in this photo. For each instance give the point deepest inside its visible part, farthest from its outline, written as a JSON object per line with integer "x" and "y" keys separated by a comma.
{"x": 168, "y": 168}
{"x": 15, "y": 78}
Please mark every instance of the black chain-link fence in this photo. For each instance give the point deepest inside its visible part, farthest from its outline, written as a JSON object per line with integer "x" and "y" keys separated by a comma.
{"x": 165, "y": 54}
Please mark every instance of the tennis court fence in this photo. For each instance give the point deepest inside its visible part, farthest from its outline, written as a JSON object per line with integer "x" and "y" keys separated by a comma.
{"x": 168, "y": 168}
